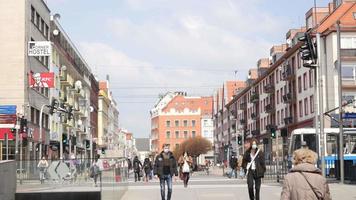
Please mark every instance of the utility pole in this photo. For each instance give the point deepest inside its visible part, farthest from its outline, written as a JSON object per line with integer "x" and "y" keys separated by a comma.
{"x": 321, "y": 105}
{"x": 341, "y": 135}
{"x": 277, "y": 156}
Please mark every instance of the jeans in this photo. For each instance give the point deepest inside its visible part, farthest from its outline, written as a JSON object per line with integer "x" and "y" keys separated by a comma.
{"x": 163, "y": 179}
{"x": 233, "y": 172}
{"x": 252, "y": 177}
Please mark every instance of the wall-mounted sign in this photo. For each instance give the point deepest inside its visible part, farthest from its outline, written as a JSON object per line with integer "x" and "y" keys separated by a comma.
{"x": 44, "y": 80}
{"x": 39, "y": 48}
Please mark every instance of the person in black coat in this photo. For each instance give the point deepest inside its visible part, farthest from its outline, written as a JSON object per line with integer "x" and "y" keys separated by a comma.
{"x": 253, "y": 163}
{"x": 233, "y": 165}
{"x": 137, "y": 165}
{"x": 147, "y": 167}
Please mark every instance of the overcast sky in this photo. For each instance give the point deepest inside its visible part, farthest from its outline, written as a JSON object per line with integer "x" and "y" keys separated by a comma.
{"x": 149, "y": 47}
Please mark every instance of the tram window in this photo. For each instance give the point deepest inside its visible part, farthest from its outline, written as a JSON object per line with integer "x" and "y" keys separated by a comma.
{"x": 310, "y": 139}
{"x": 331, "y": 144}
{"x": 353, "y": 144}
{"x": 296, "y": 142}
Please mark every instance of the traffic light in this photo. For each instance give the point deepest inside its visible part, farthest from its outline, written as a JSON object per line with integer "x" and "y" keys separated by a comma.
{"x": 70, "y": 112}
{"x": 239, "y": 140}
{"x": 64, "y": 139}
{"x": 13, "y": 130}
{"x": 23, "y": 125}
{"x": 102, "y": 150}
{"x": 87, "y": 144}
{"x": 273, "y": 132}
{"x": 53, "y": 106}
{"x": 308, "y": 50}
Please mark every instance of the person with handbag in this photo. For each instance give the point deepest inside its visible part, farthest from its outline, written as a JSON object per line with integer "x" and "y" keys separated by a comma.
{"x": 253, "y": 163}
{"x": 185, "y": 163}
{"x": 304, "y": 181}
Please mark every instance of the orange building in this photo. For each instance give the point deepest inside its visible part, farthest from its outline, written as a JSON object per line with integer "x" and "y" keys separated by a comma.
{"x": 177, "y": 117}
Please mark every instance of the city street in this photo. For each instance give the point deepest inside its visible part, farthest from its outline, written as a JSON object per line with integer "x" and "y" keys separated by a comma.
{"x": 214, "y": 187}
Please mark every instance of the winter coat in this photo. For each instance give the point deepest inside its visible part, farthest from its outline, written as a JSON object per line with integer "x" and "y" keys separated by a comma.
{"x": 259, "y": 162}
{"x": 296, "y": 187}
{"x": 181, "y": 162}
{"x": 233, "y": 163}
{"x": 147, "y": 165}
{"x": 137, "y": 165}
{"x": 158, "y": 166}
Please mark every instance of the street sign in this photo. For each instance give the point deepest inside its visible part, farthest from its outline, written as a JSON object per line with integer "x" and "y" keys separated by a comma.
{"x": 7, "y": 109}
{"x": 349, "y": 116}
{"x": 8, "y": 119}
{"x": 39, "y": 48}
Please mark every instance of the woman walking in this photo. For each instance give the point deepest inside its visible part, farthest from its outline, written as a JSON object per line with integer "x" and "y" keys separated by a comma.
{"x": 185, "y": 163}
{"x": 305, "y": 180}
{"x": 147, "y": 166}
{"x": 254, "y": 165}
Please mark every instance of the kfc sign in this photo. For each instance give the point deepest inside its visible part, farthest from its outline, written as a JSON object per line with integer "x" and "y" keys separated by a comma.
{"x": 42, "y": 48}
{"x": 43, "y": 80}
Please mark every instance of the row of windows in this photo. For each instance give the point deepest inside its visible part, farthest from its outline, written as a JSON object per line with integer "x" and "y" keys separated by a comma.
{"x": 177, "y": 134}
{"x": 307, "y": 81}
{"x": 38, "y": 21}
{"x": 176, "y": 123}
{"x": 308, "y": 106}
{"x": 35, "y": 118}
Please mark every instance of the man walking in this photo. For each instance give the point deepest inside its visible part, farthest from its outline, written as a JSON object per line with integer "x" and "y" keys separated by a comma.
{"x": 233, "y": 165}
{"x": 165, "y": 168}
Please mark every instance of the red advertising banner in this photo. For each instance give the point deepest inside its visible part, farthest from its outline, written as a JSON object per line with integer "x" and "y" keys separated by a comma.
{"x": 43, "y": 80}
{"x": 4, "y": 131}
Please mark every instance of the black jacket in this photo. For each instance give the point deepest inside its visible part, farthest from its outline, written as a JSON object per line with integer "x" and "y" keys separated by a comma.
{"x": 158, "y": 166}
{"x": 233, "y": 163}
{"x": 259, "y": 161}
{"x": 147, "y": 165}
{"x": 137, "y": 165}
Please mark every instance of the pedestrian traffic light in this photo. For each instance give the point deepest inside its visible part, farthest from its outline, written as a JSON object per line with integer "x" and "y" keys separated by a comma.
{"x": 273, "y": 132}
{"x": 308, "y": 50}
{"x": 102, "y": 150}
{"x": 64, "y": 139}
{"x": 87, "y": 144}
{"x": 23, "y": 125}
{"x": 13, "y": 130}
{"x": 239, "y": 140}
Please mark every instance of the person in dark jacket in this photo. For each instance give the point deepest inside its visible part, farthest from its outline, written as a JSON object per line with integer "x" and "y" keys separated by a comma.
{"x": 253, "y": 163}
{"x": 165, "y": 168}
{"x": 137, "y": 165}
{"x": 147, "y": 166}
{"x": 233, "y": 165}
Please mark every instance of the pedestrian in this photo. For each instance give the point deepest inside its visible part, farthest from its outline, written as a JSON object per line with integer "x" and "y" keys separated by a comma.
{"x": 147, "y": 167}
{"x": 165, "y": 168}
{"x": 94, "y": 172}
{"x": 185, "y": 163}
{"x": 304, "y": 181}
{"x": 239, "y": 166}
{"x": 254, "y": 165}
{"x": 233, "y": 165}
{"x": 137, "y": 166}
{"x": 42, "y": 166}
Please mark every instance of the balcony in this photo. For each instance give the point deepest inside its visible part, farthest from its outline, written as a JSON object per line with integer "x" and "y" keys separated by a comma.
{"x": 254, "y": 116}
{"x": 270, "y": 108}
{"x": 288, "y": 120}
{"x": 288, "y": 98}
{"x": 66, "y": 80}
{"x": 243, "y": 106}
{"x": 269, "y": 88}
{"x": 254, "y": 98}
{"x": 288, "y": 73}
{"x": 255, "y": 132}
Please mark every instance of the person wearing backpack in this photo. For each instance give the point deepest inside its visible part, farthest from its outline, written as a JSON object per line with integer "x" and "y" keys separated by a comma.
{"x": 253, "y": 163}
{"x": 304, "y": 181}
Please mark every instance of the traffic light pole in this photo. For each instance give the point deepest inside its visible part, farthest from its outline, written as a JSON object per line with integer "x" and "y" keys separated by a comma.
{"x": 277, "y": 156}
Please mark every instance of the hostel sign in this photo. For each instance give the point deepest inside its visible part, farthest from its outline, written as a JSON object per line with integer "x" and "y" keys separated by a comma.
{"x": 39, "y": 48}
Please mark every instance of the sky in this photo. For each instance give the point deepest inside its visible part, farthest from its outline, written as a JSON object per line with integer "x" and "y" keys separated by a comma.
{"x": 150, "y": 47}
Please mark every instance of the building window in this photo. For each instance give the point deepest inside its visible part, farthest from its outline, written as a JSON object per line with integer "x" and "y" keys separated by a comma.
{"x": 185, "y": 123}
{"x": 348, "y": 72}
{"x": 306, "y": 106}
{"x": 193, "y": 134}
{"x": 37, "y": 117}
{"x": 205, "y": 122}
{"x": 311, "y": 104}
{"x": 37, "y": 20}
{"x": 305, "y": 81}
{"x": 193, "y": 123}
{"x": 33, "y": 115}
{"x": 282, "y": 116}
{"x": 176, "y": 123}
{"x": 33, "y": 14}
{"x": 277, "y": 80}
{"x": 278, "y": 117}
{"x": 45, "y": 33}
{"x": 168, "y": 134}
{"x": 277, "y": 97}
{"x": 42, "y": 26}
{"x": 177, "y": 134}
{"x": 298, "y": 60}
{"x": 299, "y": 84}
{"x": 311, "y": 78}
{"x": 348, "y": 42}
{"x": 168, "y": 124}
{"x": 185, "y": 134}
{"x": 300, "y": 109}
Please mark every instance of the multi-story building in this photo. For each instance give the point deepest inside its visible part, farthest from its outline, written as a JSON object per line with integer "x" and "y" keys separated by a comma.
{"x": 177, "y": 117}
{"x": 25, "y": 21}
{"x": 283, "y": 97}
{"x": 207, "y": 132}
{"x": 103, "y": 114}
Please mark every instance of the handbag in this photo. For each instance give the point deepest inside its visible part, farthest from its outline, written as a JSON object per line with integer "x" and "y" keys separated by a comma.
{"x": 310, "y": 185}
{"x": 186, "y": 167}
{"x": 250, "y": 163}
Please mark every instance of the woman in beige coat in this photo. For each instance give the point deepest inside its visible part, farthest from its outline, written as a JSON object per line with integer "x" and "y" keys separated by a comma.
{"x": 305, "y": 180}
